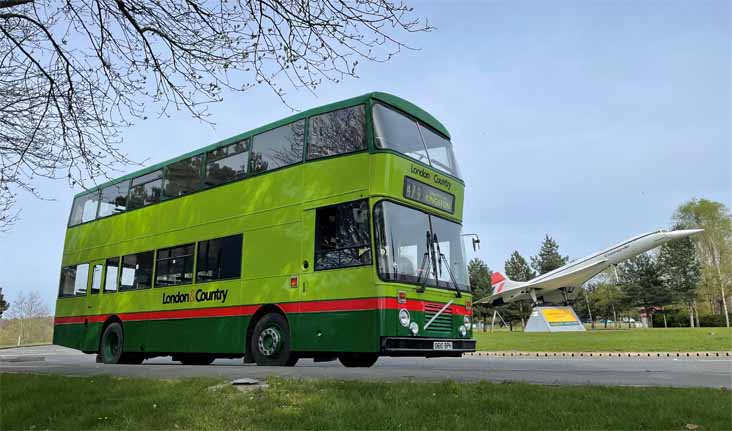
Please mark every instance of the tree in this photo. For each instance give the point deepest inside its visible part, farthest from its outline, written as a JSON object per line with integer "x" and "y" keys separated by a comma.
{"x": 3, "y": 303}
{"x": 681, "y": 271}
{"x": 713, "y": 246}
{"x": 604, "y": 298}
{"x": 642, "y": 285}
{"x": 517, "y": 269}
{"x": 480, "y": 286}
{"x": 73, "y": 73}
{"x": 26, "y": 309}
{"x": 548, "y": 258}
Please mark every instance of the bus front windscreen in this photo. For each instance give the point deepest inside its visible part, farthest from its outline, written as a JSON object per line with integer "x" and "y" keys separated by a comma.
{"x": 413, "y": 139}
{"x": 403, "y": 239}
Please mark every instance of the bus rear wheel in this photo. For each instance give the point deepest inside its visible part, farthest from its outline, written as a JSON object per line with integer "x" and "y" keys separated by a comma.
{"x": 363, "y": 360}
{"x": 110, "y": 346}
{"x": 270, "y": 342}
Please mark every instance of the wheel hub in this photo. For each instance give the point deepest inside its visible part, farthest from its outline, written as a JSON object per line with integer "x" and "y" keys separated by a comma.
{"x": 269, "y": 341}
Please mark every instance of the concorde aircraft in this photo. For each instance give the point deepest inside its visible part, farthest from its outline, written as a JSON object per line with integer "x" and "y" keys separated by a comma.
{"x": 562, "y": 285}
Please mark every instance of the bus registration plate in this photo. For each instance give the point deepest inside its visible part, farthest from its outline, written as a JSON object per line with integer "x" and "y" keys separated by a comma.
{"x": 442, "y": 345}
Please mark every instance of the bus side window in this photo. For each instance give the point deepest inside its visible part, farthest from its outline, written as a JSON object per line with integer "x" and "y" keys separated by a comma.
{"x": 145, "y": 190}
{"x": 137, "y": 271}
{"x": 174, "y": 266}
{"x": 68, "y": 280}
{"x": 342, "y": 236}
{"x": 337, "y": 132}
{"x": 226, "y": 164}
{"x": 110, "y": 278}
{"x": 84, "y": 209}
{"x": 82, "y": 276}
{"x": 182, "y": 177}
{"x": 278, "y": 147}
{"x": 96, "y": 278}
{"x": 219, "y": 259}
{"x": 114, "y": 199}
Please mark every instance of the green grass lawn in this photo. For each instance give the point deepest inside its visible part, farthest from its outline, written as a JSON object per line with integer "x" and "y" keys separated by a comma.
{"x": 634, "y": 340}
{"x": 103, "y": 402}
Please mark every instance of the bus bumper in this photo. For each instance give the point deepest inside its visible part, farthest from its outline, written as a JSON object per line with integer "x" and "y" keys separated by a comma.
{"x": 421, "y": 346}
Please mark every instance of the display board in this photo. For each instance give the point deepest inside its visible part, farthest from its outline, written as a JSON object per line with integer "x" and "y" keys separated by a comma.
{"x": 553, "y": 319}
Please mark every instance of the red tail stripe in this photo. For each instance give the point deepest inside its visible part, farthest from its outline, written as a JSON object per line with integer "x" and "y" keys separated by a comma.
{"x": 497, "y": 277}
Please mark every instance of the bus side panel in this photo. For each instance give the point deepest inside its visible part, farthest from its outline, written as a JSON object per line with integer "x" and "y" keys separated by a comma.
{"x": 92, "y": 335}
{"x": 339, "y": 311}
{"x": 201, "y": 335}
{"x": 347, "y": 331}
{"x": 68, "y": 335}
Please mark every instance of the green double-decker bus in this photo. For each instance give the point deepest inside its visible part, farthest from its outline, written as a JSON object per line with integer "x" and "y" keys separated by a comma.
{"x": 333, "y": 233}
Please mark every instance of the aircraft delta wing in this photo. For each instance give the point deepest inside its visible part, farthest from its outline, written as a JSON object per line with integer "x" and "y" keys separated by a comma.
{"x": 562, "y": 284}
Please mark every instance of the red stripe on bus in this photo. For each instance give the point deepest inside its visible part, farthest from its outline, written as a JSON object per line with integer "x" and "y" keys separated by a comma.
{"x": 361, "y": 304}
{"x": 191, "y": 313}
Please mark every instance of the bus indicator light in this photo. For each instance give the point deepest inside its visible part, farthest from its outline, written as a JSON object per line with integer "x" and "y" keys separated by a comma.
{"x": 293, "y": 282}
{"x": 402, "y": 297}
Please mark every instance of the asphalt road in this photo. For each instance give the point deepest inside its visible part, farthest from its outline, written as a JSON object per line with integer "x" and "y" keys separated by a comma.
{"x": 624, "y": 372}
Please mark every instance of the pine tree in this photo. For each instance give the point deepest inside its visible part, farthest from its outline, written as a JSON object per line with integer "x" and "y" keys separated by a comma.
{"x": 3, "y": 303}
{"x": 642, "y": 284}
{"x": 480, "y": 285}
{"x": 517, "y": 269}
{"x": 548, "y": 258}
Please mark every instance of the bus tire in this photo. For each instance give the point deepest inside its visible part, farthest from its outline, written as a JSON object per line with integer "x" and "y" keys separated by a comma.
{"x": 362, "y": 360}
{"x": 110, "y": 346}
{"x": 270, "y": 342}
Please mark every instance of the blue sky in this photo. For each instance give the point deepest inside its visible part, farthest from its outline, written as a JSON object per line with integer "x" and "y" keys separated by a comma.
{"x": 587, "y": 121}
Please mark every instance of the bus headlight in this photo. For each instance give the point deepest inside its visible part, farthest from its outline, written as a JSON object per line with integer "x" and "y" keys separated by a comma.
{"x": 414, "y": 328}
{"x": 466, "y": 321}
{"x": 463, "y": 330}
{"x": 404, "y": 317}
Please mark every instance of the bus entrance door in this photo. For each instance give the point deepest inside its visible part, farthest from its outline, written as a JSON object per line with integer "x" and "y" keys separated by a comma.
{"x": 306, "y": 338}
{"x": 90, "y": 340}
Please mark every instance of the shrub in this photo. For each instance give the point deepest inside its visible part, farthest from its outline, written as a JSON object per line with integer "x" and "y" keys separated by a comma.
{"x": 712, "y": 320}
{"x": 675, "y": 318}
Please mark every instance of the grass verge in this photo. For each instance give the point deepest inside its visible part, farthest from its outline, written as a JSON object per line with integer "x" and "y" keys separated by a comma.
{"x": 104, "y": 402}
{"x": 635, "y": 340}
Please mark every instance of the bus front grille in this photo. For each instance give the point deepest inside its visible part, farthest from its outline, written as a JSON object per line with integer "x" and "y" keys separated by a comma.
{"x": 443, "y": 323}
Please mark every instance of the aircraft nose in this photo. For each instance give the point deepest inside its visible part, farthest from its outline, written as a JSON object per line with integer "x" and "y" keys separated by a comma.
{"x": 682, "y": 233}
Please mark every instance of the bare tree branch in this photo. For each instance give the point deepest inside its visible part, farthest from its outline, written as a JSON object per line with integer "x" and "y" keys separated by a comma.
{"x": 73, "y": 73}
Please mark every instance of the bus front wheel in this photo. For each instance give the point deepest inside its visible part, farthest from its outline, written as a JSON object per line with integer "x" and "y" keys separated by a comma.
{"x": 363, "y": 360}
{"x": 270, "y": 342}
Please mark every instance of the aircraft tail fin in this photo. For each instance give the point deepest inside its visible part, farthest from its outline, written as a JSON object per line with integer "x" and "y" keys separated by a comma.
{"x": 500, "y": 283}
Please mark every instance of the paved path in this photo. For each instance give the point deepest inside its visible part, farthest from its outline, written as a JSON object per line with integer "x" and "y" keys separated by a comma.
{"x": 627, "y": 372}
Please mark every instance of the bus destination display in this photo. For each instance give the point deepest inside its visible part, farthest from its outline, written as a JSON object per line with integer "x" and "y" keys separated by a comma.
{"x": 428, "y": 195}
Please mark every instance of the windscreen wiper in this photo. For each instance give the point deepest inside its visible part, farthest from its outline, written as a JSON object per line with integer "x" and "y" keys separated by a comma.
{"x": 443, "y": 259}
{"x": 426, "y": 261}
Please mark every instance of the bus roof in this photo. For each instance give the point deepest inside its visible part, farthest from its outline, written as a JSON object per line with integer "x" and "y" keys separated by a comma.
{"x": 390, "y": 99}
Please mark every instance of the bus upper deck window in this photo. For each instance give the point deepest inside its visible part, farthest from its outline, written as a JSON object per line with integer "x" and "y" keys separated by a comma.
{"x": 226, "y": 164}
{"x": 182, "y": 177}
{"x": 278, "y": 147}
{"x": 145, "y": 190}
{"x": 84, "y": 208}
{"x": 114, "y": 199}
{"x": 337, "y": 132}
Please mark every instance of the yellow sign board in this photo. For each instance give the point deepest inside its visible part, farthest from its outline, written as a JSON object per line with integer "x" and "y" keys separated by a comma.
{"x": 559, "y": 316}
